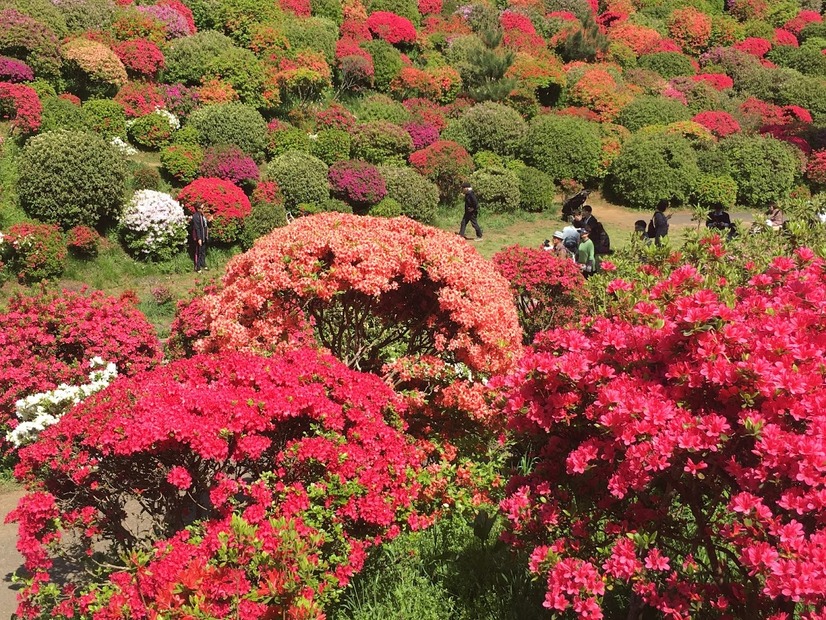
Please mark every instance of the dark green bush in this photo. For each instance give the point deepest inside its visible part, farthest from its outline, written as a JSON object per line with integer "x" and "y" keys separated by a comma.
{"x": 301, "y": 177}
{"x": 564, "y": 147}
{"x": 653, "y": 167}
{"x": 182, "y": 161}
{"x": 807, "y": 59}
{"x": 70, "y": 178}
{"x": 287, "y": 138}
{"x": 60, "y": 114}
{"x": 497, "y": 190}
{"x": 807, "y": 92}
{"x": 146, "y": 177}
{"x": 331, "y": 145}
{"x": 494, "y": 127}
{"x": 713, "y": 189}
{"x": 382, "y": 108}
{"x": 265, "y": 216}
{"x": 418, "y": 197}
{"x": 242, "y": 70}
{"x": 189, "y": 58}
{"x": 105, "y": 117}
{"x": 667, "y": 64}
{"x": 536, "y": 189}
{"x": 380, "y": 142}
{"x": 387, "y": 62}
{"x": 315, "y": 33}
{"x": 652, "y": 110}
{"x": 386, "y": 208}
{"x": 763, "y": 168}
{"x": 231, "y": 123}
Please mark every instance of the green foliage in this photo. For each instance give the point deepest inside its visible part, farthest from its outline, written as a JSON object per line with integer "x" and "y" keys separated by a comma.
{"x": 418, "y": 197}
{"x": 238, "y": 18}
{"x": 491, "y": 62}
{"x": 301, "y": 177}
{"x": 231, "y": 123}
{"x": 497, "y": 189}
{"x": 713, "y": 189}
{"x": 667, "y": 64}
{"x": 387, "y": 62}
{"x": 814, "y": 30}
{"x": 328, "y": 205}
{"x": 182, "y": 161}
{"x": 807, "y": 92}
{"x": 151, "y": 131}
{"x": 105, "y": 117}
{"x": 580, "y": 8}
{"x": 653, "y": 167}
{"x": 60, "y": 114}
{"x": 536, "y": 189}
{"x": 71, "y": 178}
{"x": 94, "y": 15}
{"x": 380, "y": 142}
{"x": 264, "y": 217}
{"x": 763, "y": 168}
{"x": 405, "y": 8}
{"x": 331, "y": 145}
{"x": 564, "y": 147}
{"x": 586, "y": 43}
{"x": 43, "y": 11}
{"x": 241, "y": 69}
{"x": 456, "y": 132}
{"x": 494, "y": 127}
{"x": 287, "y": 139}
{"x": 330, "y": 9}
{"x": 652, "y": 110}
{"x": 487, "y": 159}
{"x": 460, "y": 54}
{"x": 146, "y": 177}
{"x": 43, "y": 88}
{"x": 382, "y": 108}
{"x": 386, "y": 208}
{"x": 807, "y": 58}
{"x": 315, "y": 33}
{"x": 189, "y": 58}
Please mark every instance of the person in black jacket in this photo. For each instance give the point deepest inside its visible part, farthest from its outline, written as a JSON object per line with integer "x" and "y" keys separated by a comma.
{"x": 719, "y": 219}
{"x": 471, "y": 211}
{"x": 200, "y": 236}
{"x": 658, "y": 227}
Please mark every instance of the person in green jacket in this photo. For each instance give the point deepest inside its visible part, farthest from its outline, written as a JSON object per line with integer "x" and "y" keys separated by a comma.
{"x": 585, "y": 255}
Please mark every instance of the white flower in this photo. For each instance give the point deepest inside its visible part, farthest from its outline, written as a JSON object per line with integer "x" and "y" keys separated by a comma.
{"x": 155, "y": 221}
{"x": 171, "y": 118}
{"x": 122, "y": 146}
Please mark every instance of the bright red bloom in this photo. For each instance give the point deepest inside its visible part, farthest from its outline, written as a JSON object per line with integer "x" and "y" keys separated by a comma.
{"x": 391, "y": 27}
{"x": 21, "y": 104}
{"x": 720, "y": 123}
{"x": 223, "y": 203}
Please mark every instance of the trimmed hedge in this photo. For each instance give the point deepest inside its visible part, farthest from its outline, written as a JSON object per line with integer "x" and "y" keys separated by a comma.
{"x": 564, "y": 147}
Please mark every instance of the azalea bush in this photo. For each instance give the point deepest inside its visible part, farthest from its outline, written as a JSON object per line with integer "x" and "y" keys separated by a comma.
{"x": 223, "y": 204}
{"x": 21, "y": 104}
{"x": 153, "y": 225}
{"x": 271, "y": 507}
{"x": 83, "y": 241}
{"x": 445, "y": 163}
{"x": 182, "y": 162}
{"x": 381, "y": 142}
{"x": 35, "y": 252}
{"x": 357, "y": 183}
{"x": 231, "y": 164}
{"x": 671, "y": 467}
{"x": 153, "y": 130}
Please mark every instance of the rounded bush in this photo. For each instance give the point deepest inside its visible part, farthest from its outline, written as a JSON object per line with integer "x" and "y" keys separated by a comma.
{"x": 223, "y": 204}
{"x": 182, "y": 161}
{"x": 331, "y": 145}
{"x": 230, "y": 163}
{"x": 564, "y": 147}
{"x": 763, "y": 168}
{"x": 41, "y": 44}
{"x": 653, "y": 167}
{"x": 380, "y": 142}
{"x": 807, "y": 92}
{"x": 357, "y": 183}
{"x": 301, "y": 177}
{"x": 70, "y": 178}
{"x": 445, "y": 163}
{"x": 315, "y": 33}
{"x": 713, "y": 189}
{"x": 93, "y": 67}
{"x": 142, "y": 58}
{"x": 105, "y": 117}
{"x": 497, "y": 189}
{"x": 153, "y": 130}
{"x": 536, "y": 190}
{"x": 387, "y": 63}
{"x": 494, "y": 127}
{"x": 83, "y": 242}
{"x": 36, "y": 251}
{"x": 146, "y": 177}
{"x": 153, "y": 225}
{"x": 652, "y": 110}
{"x": 405, "y": 8}
{"x": 382, "y": 108}
{"x": 58, "y": 113}
{"x": 189, "y": 58}
{"x": 386, "y": 208}
{"x": 231, "y": 123}
{"x": 267, "y": 214}
{"x": 418, "y": 197}
{"x": 283, "y": 137}
{"x": 667, "y": 64}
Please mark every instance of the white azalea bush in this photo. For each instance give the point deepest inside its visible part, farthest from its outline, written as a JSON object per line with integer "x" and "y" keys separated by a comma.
{"x": 153, "y": 225}
{"x": 38, "y": 411}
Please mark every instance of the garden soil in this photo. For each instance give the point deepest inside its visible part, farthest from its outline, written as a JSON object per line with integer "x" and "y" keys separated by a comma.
{"x": 10, "y": 559}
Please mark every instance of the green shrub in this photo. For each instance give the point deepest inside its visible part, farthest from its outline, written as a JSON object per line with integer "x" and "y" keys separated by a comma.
{"x": 814, "y": 30}
{"x": 487, "y": 159}
{"x": 301, "y": 177}
{"x": 287, "y": 138}
{"x": 387, "y": 63}
{"x": 331, "y": 9}
{"x": 386, "y": 208}
{"x": 105, "y": 117}
{"x": 536, "y": 189}
{"x": 667, "y": 64}
{"x": 653, "y": 167}
{"x": 146, "y": 177}
{"x": 382, "y": 108}
{"x": 652, "y": 110}
{"x": 497, "y": 189}
{"x": 182, "y": 161}
{"x": 807, "y": 59}
{"x": 242, "y": 70}
{"x": 713, "y": 189}
{"x": 315, "y": 33}
{"x": 456, "y": 132}
{"x": 44, "y": 11}
{"x": 564, "y": 147}
{"x": 331, "y": 145}
{"x": 328, "y": 205}
{"x": 60, "y": 114}
{"x": 186, "y": 135}
{"x": 43, "y": 88}
{"x": 151, "y": 131}
{"x": 231, "y": 123}
{"x": 418, "y": 197}
{"x": 71, "y": 178}
{"x": 267, "y": 214}
{"x": 36, "y": 251}
{"x": 189, "y": 58}
{"x": 95, "y": 15}
{"x": 238, "y": 18}
{"x": 807, "y": 92}
{"x": 494, "y": 127}
{"x": 763, "y": 168}
{"x": 405, "y": 8}
{"x": 380, "y": 142}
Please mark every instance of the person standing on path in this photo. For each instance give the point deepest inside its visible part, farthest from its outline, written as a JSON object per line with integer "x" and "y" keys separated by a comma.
{"x": 200, "y": 236}
{"x": 658, "y": 227}
{"x": 471, "y": 211}
{"x": 585, "y": 255}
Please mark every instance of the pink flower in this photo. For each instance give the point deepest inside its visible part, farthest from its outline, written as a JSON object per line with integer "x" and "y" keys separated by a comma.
{"x": 179, "y": 477}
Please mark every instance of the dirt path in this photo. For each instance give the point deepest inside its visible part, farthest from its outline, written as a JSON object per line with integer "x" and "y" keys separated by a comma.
{"x": 10, "y": 559}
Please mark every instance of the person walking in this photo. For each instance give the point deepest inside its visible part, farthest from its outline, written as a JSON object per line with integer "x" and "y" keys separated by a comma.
{"x": 658, "y": 227}
{"x": 200, "y": 236}
{"x": 471, "y": 212}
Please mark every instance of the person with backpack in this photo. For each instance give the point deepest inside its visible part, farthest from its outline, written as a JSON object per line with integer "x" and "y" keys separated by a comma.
{"x": 585, "y": 253}
{"x": 471, "y": 212}
{"x": 570, "y": 239}
{"x": 658, "y": 226}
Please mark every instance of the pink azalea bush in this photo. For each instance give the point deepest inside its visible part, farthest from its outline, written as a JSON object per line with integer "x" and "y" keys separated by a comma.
{"x": 229, "y": 163}
{"x": 358, "y": 183}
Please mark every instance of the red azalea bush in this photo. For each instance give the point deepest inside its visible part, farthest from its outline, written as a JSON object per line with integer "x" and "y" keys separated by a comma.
{"x": 598, "y": 91}
{"x": 719, "y": 81}
{"x": 748, "y": 9}
{"x": 679, "y": 449}
{"x": 357, "y": 183}
{"x": 816, "y": 168}
{"x": 784, "y": 37}
{"x": 336, "y": 116}
{"x": 223, "y": 203}
{"x": 430, "y": 7}
{"x": 639, "y": 38}
{"x": 720, "y": 123}
{"x": 139, "y": 99}
{"x": 426, "y": 112}
{"x": 440, "y": 84}
{"x": 142, "y": 58}
{"x": 21, "y": 104}
{"x": 230, "y": 163}
{"x": 755, "y": 46}
{"x": 392, "y": 28}
{"x": 445, "y": 163}
{"x": 549, "y": 291}
{"x": 239, "y": 446}
{"x": 301, "y": 8}
{"x": 83, "y": 241}
{"x": 690, "y": 28}
{"x": 36, "y": 251}
{"x": 801, "y": 20}
{"x": 48, "y": 339}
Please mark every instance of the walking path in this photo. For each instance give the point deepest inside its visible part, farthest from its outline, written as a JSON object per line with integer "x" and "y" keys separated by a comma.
{"x": 10, "y": 559}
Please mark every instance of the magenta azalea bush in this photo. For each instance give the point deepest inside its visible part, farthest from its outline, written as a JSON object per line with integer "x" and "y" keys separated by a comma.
{"x": 358, "y": 183}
